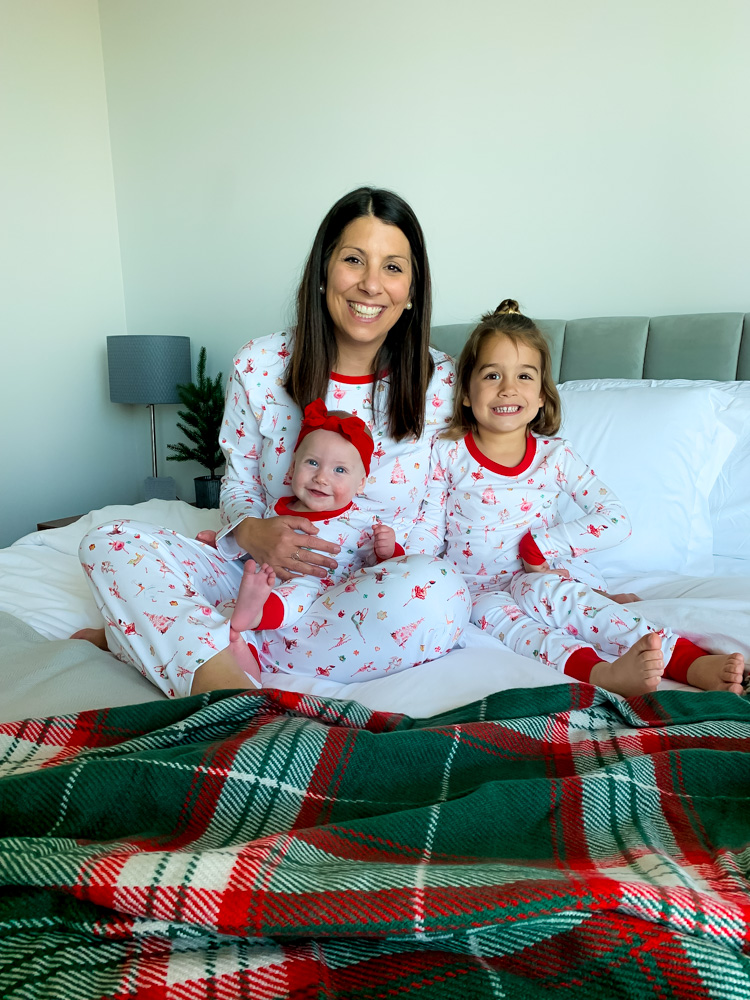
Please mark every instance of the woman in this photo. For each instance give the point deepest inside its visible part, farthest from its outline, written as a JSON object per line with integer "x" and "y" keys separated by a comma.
{"x": 361, "y": 342}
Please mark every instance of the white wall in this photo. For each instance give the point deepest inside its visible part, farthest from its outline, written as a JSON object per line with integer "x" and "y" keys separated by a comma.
{"x": 64, "y": 448}
{"x": 588, "y": 158}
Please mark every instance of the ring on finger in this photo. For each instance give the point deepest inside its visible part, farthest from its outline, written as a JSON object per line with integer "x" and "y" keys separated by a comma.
{"x": 296, "y": 556}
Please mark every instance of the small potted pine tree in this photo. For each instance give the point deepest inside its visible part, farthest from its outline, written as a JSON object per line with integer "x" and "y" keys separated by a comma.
{"x": 203, "y": 400}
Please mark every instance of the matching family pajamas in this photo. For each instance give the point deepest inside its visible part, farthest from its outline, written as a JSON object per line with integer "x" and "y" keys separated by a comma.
{"x": 167, "y": 599}
{"x": 483, "y": 510}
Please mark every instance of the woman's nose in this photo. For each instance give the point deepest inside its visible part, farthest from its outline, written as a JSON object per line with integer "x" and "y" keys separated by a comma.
{"x": 371, "y": 282}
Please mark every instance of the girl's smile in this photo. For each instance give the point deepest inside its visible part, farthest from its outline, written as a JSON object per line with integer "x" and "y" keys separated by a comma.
{"x": 505, "y": 394}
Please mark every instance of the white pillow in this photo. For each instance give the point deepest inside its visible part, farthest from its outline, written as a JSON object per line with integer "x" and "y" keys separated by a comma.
{"x": 661, "y": 449}
{"x": 730, "y": 498}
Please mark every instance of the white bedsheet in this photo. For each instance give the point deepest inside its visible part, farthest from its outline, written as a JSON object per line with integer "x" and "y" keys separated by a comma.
{"x": 42, "y": 584}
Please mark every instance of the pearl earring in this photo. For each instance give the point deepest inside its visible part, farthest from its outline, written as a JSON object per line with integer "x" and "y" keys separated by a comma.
{"x": 408, "y": 305}
{"x": 322, "y": 290}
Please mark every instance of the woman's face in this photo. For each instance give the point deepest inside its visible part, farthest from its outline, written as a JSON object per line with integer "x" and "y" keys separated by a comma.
{"x": 369, "y": 282}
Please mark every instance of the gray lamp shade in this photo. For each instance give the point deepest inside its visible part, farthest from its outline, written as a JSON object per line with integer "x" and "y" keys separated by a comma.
{"x": 147, "y": 369}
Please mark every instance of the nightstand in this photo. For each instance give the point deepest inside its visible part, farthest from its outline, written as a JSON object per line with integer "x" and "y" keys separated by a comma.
{"x": 59, "y": 523}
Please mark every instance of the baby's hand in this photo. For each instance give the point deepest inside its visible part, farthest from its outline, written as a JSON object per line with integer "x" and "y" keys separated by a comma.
{"x": 545, "y": 568}
{"x": 384, "y": 539}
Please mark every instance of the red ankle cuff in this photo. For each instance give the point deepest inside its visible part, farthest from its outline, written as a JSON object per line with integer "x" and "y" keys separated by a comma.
{"x": 580, "y": 664}
{"x": 683, "y": 656}
{"x": 273, "y": 613}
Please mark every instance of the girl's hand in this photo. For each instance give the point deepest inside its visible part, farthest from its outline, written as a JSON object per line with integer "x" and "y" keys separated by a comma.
{"x": 384, "y": 539}
{"x": 277, "y": 542}
{"x": 546, "y": 568}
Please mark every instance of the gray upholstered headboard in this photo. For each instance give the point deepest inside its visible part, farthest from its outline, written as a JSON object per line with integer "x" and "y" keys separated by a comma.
{"x": 694, "y": 346}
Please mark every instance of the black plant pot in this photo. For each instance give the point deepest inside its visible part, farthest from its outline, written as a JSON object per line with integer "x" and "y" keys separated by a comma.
{"x": 207, "y": 491}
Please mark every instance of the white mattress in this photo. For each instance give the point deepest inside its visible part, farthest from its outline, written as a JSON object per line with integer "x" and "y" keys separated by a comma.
{"x": 42, "y": 584}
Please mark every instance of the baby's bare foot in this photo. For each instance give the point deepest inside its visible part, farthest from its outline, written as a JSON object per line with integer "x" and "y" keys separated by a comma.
{"x": 94, "y": 635}
{"x": 717, "y": 672}
{"x": 254, "y": 590}
{"x": 636, "y": 672}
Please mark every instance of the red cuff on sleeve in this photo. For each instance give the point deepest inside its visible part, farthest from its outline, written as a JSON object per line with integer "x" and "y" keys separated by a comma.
{"x": 398, "y": 551}
{"x": 529, "y": 551}
{"x": 684, "y": 654}
{"x": 580, "y": 664}
{"x": 273, "y": 613}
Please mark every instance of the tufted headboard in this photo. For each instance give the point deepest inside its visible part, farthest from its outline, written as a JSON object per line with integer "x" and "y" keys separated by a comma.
{"x": 694, "y": 346}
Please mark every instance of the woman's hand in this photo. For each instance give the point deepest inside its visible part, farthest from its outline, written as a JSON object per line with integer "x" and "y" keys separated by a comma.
{"x": 619, "y": 598}
{"x": 276, "y": 541}
{"x": 546, "y": 568}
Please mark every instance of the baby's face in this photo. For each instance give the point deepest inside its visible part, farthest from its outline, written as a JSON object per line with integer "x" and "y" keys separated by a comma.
{"x": 327, "y": 471}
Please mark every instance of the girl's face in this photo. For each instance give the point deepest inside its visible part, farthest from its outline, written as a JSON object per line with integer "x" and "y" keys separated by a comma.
{"x": 327, "y": 472}
{"x": 369, "y": 282}
{"x": 505, "y": 390}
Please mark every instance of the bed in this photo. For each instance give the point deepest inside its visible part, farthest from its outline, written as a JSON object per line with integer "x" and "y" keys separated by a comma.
{"x": 479, "y": 825}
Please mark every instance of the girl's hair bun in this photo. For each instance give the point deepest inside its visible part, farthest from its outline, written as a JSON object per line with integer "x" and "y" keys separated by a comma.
{"x": 507, "y": 306}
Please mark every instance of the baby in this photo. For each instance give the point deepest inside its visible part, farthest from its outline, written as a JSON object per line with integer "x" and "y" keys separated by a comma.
{"x": 330, "y": 466}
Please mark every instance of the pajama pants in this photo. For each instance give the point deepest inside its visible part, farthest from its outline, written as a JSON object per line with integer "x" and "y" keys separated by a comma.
{"x": 167, "y": 600}
{"x": 548, "y": 618}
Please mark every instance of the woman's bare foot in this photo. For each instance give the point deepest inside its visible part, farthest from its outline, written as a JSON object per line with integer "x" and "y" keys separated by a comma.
{"x": 636, "y": 672}
{"x": 95, "y": 635}
{"x": 718, "y": 672}
{"x": 254, "y": 590}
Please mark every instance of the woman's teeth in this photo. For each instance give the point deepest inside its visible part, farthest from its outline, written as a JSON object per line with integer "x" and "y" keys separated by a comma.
{"x": 366, "y": 312}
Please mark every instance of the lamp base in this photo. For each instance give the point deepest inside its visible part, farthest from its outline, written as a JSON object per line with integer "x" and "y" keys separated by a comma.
{"x": 160, "y": 488}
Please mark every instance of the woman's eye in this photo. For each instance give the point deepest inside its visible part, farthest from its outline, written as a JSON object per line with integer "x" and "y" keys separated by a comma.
{"x": 351, "y": 259}
{"x": 396, "y": 268}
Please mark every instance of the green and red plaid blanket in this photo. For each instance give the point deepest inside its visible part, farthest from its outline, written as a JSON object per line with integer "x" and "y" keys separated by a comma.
{"x": 273, "y": 845}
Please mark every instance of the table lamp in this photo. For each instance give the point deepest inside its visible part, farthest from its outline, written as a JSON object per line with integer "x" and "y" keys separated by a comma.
{"x": 148, "y": 369}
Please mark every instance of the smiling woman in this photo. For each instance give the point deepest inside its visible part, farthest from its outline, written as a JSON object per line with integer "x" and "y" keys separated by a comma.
{"x": 361, "y": 343}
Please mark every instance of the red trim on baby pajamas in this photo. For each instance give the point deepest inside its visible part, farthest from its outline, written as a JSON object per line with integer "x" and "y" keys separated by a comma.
{"x": 273, "y": 613}
{"x": 282, "y": 507}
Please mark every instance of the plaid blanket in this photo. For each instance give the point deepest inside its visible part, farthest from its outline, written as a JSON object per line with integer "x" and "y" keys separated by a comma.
{"x": 273, "y": 845}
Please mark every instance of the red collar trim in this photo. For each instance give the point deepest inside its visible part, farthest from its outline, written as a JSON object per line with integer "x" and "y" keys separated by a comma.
{"x": 504, "y": 470}
{"x": 357, "y": 379}
{"x": 353, "y": 379}
{"x": 282, "y": 507}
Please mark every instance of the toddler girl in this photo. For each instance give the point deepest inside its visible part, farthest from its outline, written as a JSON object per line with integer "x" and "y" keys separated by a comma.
{"x": 493, "y": 493}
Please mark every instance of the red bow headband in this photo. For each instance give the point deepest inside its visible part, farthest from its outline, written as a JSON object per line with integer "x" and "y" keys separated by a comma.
{"x": 318, "y": 418}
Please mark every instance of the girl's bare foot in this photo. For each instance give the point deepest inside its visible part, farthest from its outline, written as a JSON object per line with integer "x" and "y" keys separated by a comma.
{"x": 95, "y": 635}
{"x": 718, "y": 672}
{"x": 636, "y": 672}
{"x": 254, "y": 590}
